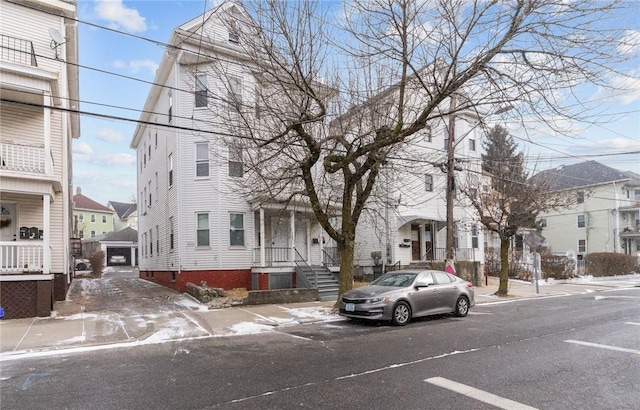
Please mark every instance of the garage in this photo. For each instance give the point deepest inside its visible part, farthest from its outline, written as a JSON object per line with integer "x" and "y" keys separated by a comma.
{"x": 120, "y": 248}
{"x": 118, "y": 256}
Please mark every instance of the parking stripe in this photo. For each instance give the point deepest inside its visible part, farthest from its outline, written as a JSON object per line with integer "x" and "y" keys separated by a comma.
{"x": 478, "y": 394}
{"x": 632, "y": 323}
{"x": 616, "y": 348}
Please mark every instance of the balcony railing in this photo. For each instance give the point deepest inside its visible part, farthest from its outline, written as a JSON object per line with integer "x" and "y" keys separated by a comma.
{"x": 19, "y": 157}
{"x": 17, "y": 50}
{"x": 21, "y": 257}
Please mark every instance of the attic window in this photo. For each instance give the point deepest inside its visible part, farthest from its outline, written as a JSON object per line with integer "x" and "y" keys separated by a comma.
{"x": 234, "y": 36}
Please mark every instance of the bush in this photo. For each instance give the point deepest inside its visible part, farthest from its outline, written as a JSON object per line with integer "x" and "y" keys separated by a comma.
{"x": 556, "y": 267}
{"x": 97, "y": 263}
{"x": 610, "y": 264}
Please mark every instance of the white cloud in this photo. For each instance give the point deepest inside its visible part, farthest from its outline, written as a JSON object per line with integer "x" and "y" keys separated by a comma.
{"x": 119, "y": 16}
{"x": 82, "y": 148}
{"x": 118, "y": 159}
{"x": 137, "y": 65}
{"x": 630, "y": 43}
{"x": 109, "y": 135}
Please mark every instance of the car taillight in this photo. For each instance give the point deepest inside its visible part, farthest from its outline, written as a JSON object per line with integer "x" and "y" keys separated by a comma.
{"x": 469, "y": 285}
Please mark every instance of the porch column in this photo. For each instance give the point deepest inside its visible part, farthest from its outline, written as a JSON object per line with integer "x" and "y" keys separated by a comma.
{"x": 262, "y": 253}
{"x": 48, "y": 161}
{"x": 46, "y": 234}
{"x": 292, "y": 236}
{"x": 308, "y": 240}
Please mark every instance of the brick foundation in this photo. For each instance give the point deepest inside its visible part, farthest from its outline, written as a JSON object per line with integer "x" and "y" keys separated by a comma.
{"x": 225, "y": 279}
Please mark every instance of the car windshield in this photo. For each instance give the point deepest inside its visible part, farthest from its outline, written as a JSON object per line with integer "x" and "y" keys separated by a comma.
{"x": 397, "y": 279}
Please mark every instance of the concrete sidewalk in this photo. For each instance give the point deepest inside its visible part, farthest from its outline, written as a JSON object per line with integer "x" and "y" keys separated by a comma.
{"x": 72, "y": 329}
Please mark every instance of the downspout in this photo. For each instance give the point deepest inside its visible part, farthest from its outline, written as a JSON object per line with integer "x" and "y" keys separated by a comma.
{"x": 616, "y": 217}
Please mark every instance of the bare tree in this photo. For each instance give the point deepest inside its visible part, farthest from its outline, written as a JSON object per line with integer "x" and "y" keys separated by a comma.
{"x": 338, "y": 95}
{"x": 506, "y": 199}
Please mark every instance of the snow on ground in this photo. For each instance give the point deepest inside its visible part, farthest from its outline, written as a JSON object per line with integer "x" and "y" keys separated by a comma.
{"x": 246, "y": 328}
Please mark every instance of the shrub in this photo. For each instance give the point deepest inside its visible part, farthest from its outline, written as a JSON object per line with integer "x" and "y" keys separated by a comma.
{"x": 556, "y": 266}
{"x": 97, "y": 263}
{"x": 610, "y": 264}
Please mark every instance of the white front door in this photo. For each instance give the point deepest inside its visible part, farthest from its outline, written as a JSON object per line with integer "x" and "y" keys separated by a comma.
{"x": 280, "y": 240}
{"x": 301, "y": 238}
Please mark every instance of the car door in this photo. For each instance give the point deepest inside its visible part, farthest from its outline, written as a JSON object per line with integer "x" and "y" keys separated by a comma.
{"x": 423, "y": 299}
{"x": 446, "y": 291}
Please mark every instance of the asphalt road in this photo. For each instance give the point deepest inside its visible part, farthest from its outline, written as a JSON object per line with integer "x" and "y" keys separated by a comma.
{"x": 574, "y": 352}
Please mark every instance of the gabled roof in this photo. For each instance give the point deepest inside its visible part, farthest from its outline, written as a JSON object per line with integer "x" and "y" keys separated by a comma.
{"x": 125, "y": 235}
{"x": 582, "y": 174}
{"x": 123, "y": 209}
{"x": 82, "y": 202}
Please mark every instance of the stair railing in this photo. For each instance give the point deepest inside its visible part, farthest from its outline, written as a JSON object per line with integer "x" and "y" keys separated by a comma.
{"x": 301, "y": 277}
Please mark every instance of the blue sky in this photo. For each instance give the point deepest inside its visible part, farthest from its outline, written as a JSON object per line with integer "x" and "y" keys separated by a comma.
{"x": 116, "y": 69}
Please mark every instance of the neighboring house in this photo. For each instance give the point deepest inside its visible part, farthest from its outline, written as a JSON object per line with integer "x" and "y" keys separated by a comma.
{"x": 606, "y": 216}
{"x": 90, "y": 218}
{"x": 126, "y": 215}
{"x": 120, "y": 248}
{"x": 39, "y": 89}
{"x": 193, "y": 224}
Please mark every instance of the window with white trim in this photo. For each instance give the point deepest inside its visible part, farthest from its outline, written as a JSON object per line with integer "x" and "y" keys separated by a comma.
{"x": 202, "y": 159}
{"x": 235, "y": 92}
{"x": 170, "y": 170}
{"x": 582, "y": 221}
{"x": 236, "y": 229}
{"x": 582, "y": 245}
{"x": 235, "y": 161}
{"x": 201, "y": 92}
{"x": 171, "y": 232}
{"x": 202, "y": 229}
{"x": 428, "y": 182}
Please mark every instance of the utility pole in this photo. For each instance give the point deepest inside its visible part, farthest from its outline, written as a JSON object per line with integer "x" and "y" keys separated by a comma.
{"x": 451, "y": 185}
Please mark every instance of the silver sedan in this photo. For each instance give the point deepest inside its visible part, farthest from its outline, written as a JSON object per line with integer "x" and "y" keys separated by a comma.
{"x": 402, "y": 295}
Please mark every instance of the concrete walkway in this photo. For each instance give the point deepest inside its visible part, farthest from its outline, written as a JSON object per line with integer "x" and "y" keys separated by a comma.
{"x": 73, "y": 328}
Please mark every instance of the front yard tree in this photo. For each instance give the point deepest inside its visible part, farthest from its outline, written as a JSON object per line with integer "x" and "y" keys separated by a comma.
{"x": 340, "y": 87}
{"x": 505, "y": 198}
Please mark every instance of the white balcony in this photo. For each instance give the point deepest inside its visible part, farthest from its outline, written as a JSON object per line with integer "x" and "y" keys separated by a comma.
{"x": 22, "y": 158}
{"x": 21, "y": 257}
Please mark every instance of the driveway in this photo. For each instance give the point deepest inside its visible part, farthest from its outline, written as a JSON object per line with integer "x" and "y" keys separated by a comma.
{"x": 122, "y": 306}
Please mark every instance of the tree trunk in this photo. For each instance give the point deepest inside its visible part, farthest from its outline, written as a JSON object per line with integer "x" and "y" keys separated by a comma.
{"x": 345, "y": 277}
{"x": 504, "y": 267}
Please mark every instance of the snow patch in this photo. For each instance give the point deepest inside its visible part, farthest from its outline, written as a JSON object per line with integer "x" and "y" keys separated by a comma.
{"x": 247, "y": 328}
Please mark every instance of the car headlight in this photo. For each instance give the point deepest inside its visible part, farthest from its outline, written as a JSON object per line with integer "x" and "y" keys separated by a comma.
{"x": 378, "y": 299}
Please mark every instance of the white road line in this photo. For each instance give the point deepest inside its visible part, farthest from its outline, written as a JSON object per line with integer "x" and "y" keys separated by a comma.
{"x": 616, "y": 348}
{"x": 632, "y": 323}
{"x": 478, "y": 394}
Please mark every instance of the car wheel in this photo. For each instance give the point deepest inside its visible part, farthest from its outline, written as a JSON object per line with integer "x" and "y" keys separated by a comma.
{"x": 81, "y": 266}
{"x": 462, "y": 307}
{"x": 401, "y": 314}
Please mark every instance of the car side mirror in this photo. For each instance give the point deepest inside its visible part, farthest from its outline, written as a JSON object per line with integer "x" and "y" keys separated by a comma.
{"x": 421, "y": 285}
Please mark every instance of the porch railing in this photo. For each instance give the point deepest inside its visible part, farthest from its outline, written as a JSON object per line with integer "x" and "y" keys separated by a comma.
{"x": 17, "y": 50}
{"x": 20, "y": 157}
{"x": 331, "y": 256}
{"x": 21, "y": 257}
{"x": 272, "y": 255}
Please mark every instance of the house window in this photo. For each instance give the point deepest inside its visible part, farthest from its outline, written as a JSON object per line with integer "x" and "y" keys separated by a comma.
{"x": 234, "y": 36}
{"x": 201, "y": 90}
{"x": 151, "y": 242}
{"x": 150, "y": 194}
{"x": 81, "y": 217}
{"x": 472, "y": 145}
{"x": 144, "y": 245}
{"x": 637, "y": 194}
{"x": 582, "y": 246}
{"x": 156, "y": 139}
{"x": 104, "y": 219}
{"x": 235, "y": 92}
{"x": 93, "y": 234}
{"x": 582, "y": 222}
{"x": 171, "y": 232}
{"x": 144, "y": 155}
{"x": 428, "y": 182}
{"x": 235, "y": 162}
{"x": 543, "y": 222}
{"x": 202, "y": 159}
{"x": 236, "y": 230}
{"x": 474, "y": 237}
{"x": 258, "y": 107}
{"x": 93, "y": 217}
{"x": 580, "y": 197}
{"x": 144, "y": 195}
{"x": 158, "y": 239}
{"x": 170, "y": 111}
{"x": 428, "y": 135}
{"x": 170, "y": 169}
{"x": 202, "y": 238}
{"x": 156, "y": 187}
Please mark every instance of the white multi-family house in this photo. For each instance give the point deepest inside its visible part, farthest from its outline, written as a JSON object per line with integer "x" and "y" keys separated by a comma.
{"x": 194, "y": 224}
{"x": 409, "y": 226}
{"x": 606, "y": 216}
{"x": 38, "y": 93}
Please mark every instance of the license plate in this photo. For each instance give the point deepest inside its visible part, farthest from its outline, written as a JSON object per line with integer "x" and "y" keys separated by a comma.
{"x": 350, "y": 307}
